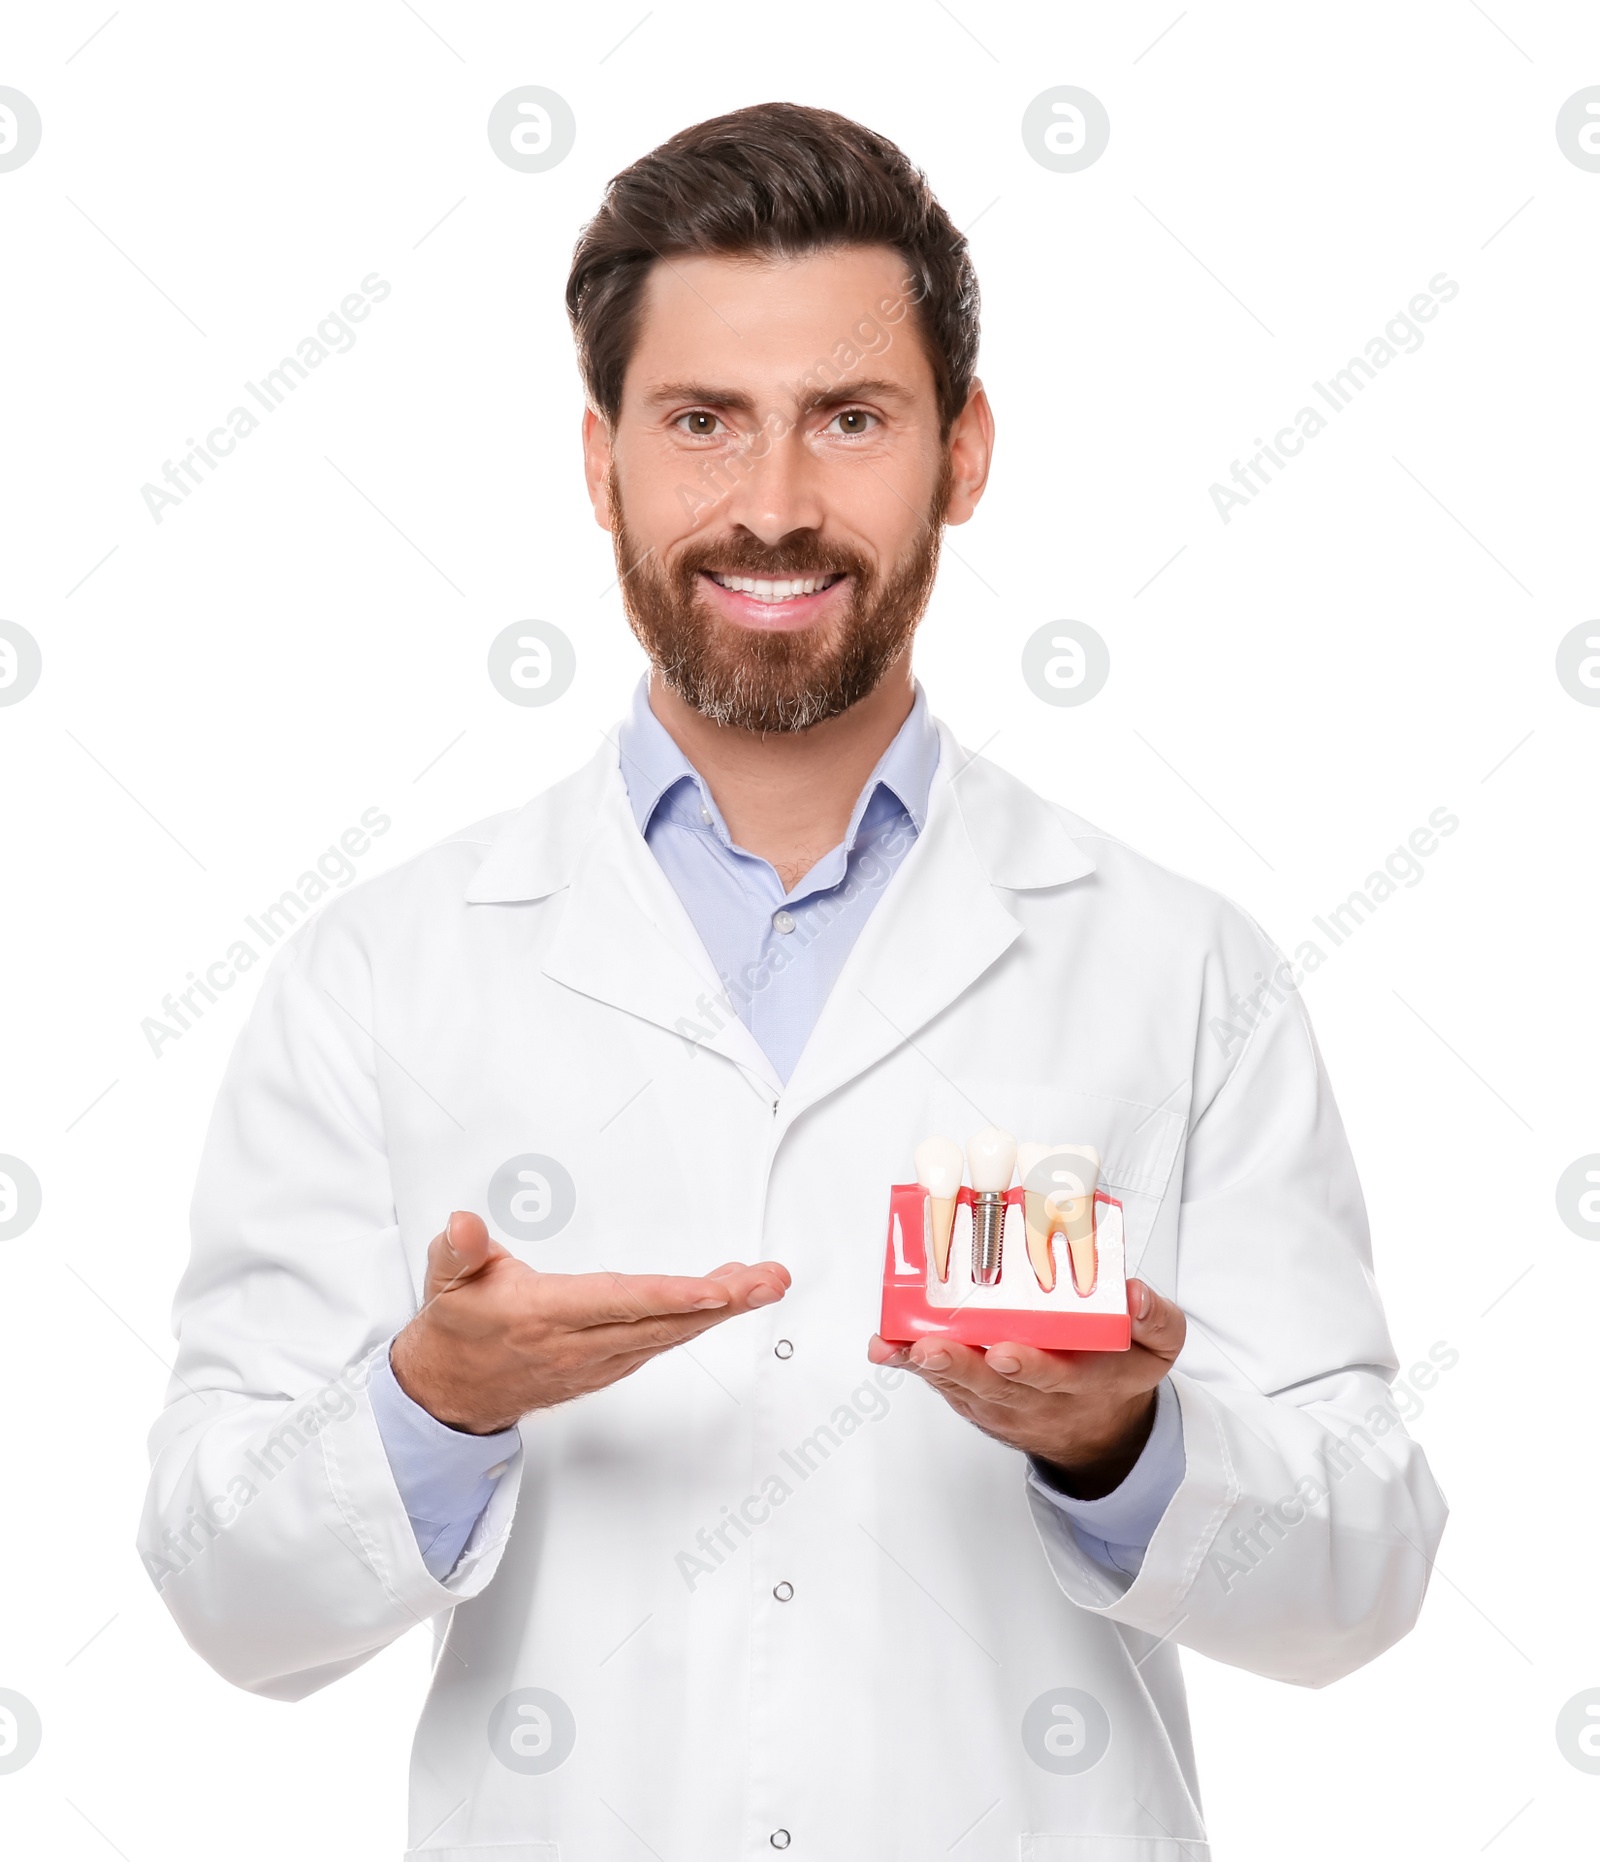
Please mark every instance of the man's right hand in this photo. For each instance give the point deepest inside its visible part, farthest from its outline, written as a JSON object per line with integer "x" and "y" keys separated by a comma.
{"x": 496, "y": 1338}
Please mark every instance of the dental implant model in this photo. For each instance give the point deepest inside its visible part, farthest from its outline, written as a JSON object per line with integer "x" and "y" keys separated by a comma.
{"x": 991, "y": 1155}
{"x": 1076, "y": 1300}
{"x": 939, "y": 1173}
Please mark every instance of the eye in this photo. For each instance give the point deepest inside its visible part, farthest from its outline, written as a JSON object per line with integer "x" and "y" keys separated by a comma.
{"x": 701, "y": 423}
{"x": 852, "y": 422}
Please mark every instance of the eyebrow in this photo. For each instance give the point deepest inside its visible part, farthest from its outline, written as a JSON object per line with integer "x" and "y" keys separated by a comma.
{"x": 731, "y": 400}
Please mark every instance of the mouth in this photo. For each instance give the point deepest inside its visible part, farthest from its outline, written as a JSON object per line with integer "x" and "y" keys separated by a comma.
{"x": 774, "y": 602}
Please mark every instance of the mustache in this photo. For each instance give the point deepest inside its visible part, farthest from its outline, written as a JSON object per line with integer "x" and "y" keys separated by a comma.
{"x": 748, "y": 556}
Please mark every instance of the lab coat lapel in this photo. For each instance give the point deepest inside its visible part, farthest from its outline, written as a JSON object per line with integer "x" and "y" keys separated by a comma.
{"x": 941, "y": 923}
{"x": 624, "y": 937}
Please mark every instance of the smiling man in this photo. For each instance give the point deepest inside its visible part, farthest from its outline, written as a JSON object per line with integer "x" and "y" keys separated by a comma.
{"x": 712, "y": 1570}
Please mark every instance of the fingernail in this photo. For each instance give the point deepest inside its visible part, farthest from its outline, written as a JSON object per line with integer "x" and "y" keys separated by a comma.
{"x": 936, "y": 1361}
{"x": 707, "y": 1303}
{"x": 1003, "y": 1362}
{"x": 1143, "y": 1302}
{"x": 764, "y": 1294}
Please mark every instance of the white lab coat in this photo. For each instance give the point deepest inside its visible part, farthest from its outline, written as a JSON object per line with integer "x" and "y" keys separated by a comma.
{"x": 533, "y": 985}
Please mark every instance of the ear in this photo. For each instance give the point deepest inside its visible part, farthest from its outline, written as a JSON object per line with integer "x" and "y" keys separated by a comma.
{"x": 597, "y": 464}
{"x": 971, "y": 449}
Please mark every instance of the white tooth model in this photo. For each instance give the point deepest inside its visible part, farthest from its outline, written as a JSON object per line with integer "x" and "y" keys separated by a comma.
{"x": 1076, "y": 1210}
{"x": 1059, "y": 1182}
{"x": 1035, "y": 1192}
{"x": 991, "y": 1156}
{"x": 1012, "y": 1284}
{"x": 939, "y": 1173}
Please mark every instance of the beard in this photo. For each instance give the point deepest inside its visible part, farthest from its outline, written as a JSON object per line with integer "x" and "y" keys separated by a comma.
{"x": 785, "y": 680}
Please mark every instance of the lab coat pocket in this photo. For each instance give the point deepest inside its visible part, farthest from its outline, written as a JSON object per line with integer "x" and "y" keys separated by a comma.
{"x": 1047, "y": 1848}
{"x": 1138, "y": 1144}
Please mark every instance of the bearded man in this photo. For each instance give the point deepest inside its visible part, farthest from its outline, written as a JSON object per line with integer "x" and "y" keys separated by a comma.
{"x": 714, "y": 1569}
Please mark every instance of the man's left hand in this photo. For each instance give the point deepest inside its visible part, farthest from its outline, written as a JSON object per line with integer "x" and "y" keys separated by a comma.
{"x": 1085, "y": 1414}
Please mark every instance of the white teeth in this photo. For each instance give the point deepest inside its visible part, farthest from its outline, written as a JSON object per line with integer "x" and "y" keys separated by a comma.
{"x": 766, "y": 588}
{"x": 991, "y": 1156}
{"x": 939, "y": 1173}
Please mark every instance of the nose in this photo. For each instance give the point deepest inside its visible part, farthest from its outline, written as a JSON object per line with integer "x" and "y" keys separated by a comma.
{"x": 777, "y": 487}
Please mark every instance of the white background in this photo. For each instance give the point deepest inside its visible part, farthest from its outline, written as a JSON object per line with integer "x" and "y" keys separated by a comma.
{"x": 1371, "y": 639}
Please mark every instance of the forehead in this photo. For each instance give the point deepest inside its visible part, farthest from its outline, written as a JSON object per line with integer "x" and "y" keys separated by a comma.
{"x": 756, "y": 322}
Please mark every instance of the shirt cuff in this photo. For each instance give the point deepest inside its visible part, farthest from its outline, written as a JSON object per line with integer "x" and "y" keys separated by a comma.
{"x": 1115, "y": 1529}
{"x": 445, "y": 1477}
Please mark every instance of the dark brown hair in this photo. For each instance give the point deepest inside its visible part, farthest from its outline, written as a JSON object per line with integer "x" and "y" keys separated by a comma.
{"x": 779, "y": 179}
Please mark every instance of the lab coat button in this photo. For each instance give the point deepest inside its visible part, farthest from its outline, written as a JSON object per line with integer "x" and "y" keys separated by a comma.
{"x": 783, "y": 921}
{"x": 784, "y": 1591}
{"x": 783, "y": 1349}
{"x": 779, "y": 1839}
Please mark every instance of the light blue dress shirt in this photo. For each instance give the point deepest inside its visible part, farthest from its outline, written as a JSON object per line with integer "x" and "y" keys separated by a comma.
{"x": 778, "y": 953}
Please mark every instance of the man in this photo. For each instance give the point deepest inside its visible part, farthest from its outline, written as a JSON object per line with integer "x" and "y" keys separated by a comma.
{"x": 712, "y": 1579}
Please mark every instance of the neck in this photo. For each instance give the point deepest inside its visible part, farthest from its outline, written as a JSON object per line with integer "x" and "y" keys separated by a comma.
{"x": 788, "y": 795}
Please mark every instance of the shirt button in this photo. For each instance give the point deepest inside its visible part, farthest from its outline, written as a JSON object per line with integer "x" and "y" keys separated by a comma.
{"x": 779, "y": 1839}
{"x": 784, "y": 1591}
{"x": 783, "y": 1349}
{"x": 783, "y": 921}
{"x": 705, "y": 814}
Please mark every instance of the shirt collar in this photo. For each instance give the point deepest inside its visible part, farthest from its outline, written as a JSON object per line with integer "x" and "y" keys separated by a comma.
{"x": 653, "y": 765}
{"x": 651, "y": 761}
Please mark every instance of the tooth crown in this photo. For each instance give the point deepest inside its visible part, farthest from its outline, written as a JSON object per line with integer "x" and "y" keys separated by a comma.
{"x": 939, "y": 1166}
{"x": 1029, "y": 1158}
{"x": 991, "y": 1154}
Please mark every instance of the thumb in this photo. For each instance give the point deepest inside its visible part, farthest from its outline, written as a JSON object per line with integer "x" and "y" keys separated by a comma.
{"x": 1158, "y": 1325}
{"x": 460, "y": 1251}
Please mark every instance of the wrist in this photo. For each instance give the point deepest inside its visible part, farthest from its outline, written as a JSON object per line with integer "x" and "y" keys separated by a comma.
{"x": 422, "y": 1376}
{"x": 1091, "y": 1468}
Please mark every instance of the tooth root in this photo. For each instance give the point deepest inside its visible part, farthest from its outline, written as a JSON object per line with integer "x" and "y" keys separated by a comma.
{"x": 941, "y": 1226}
{"x": 1036, "y": 1217}
{"x": 1085, "y": 1265}
{"x": 1073, "y": 1217}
